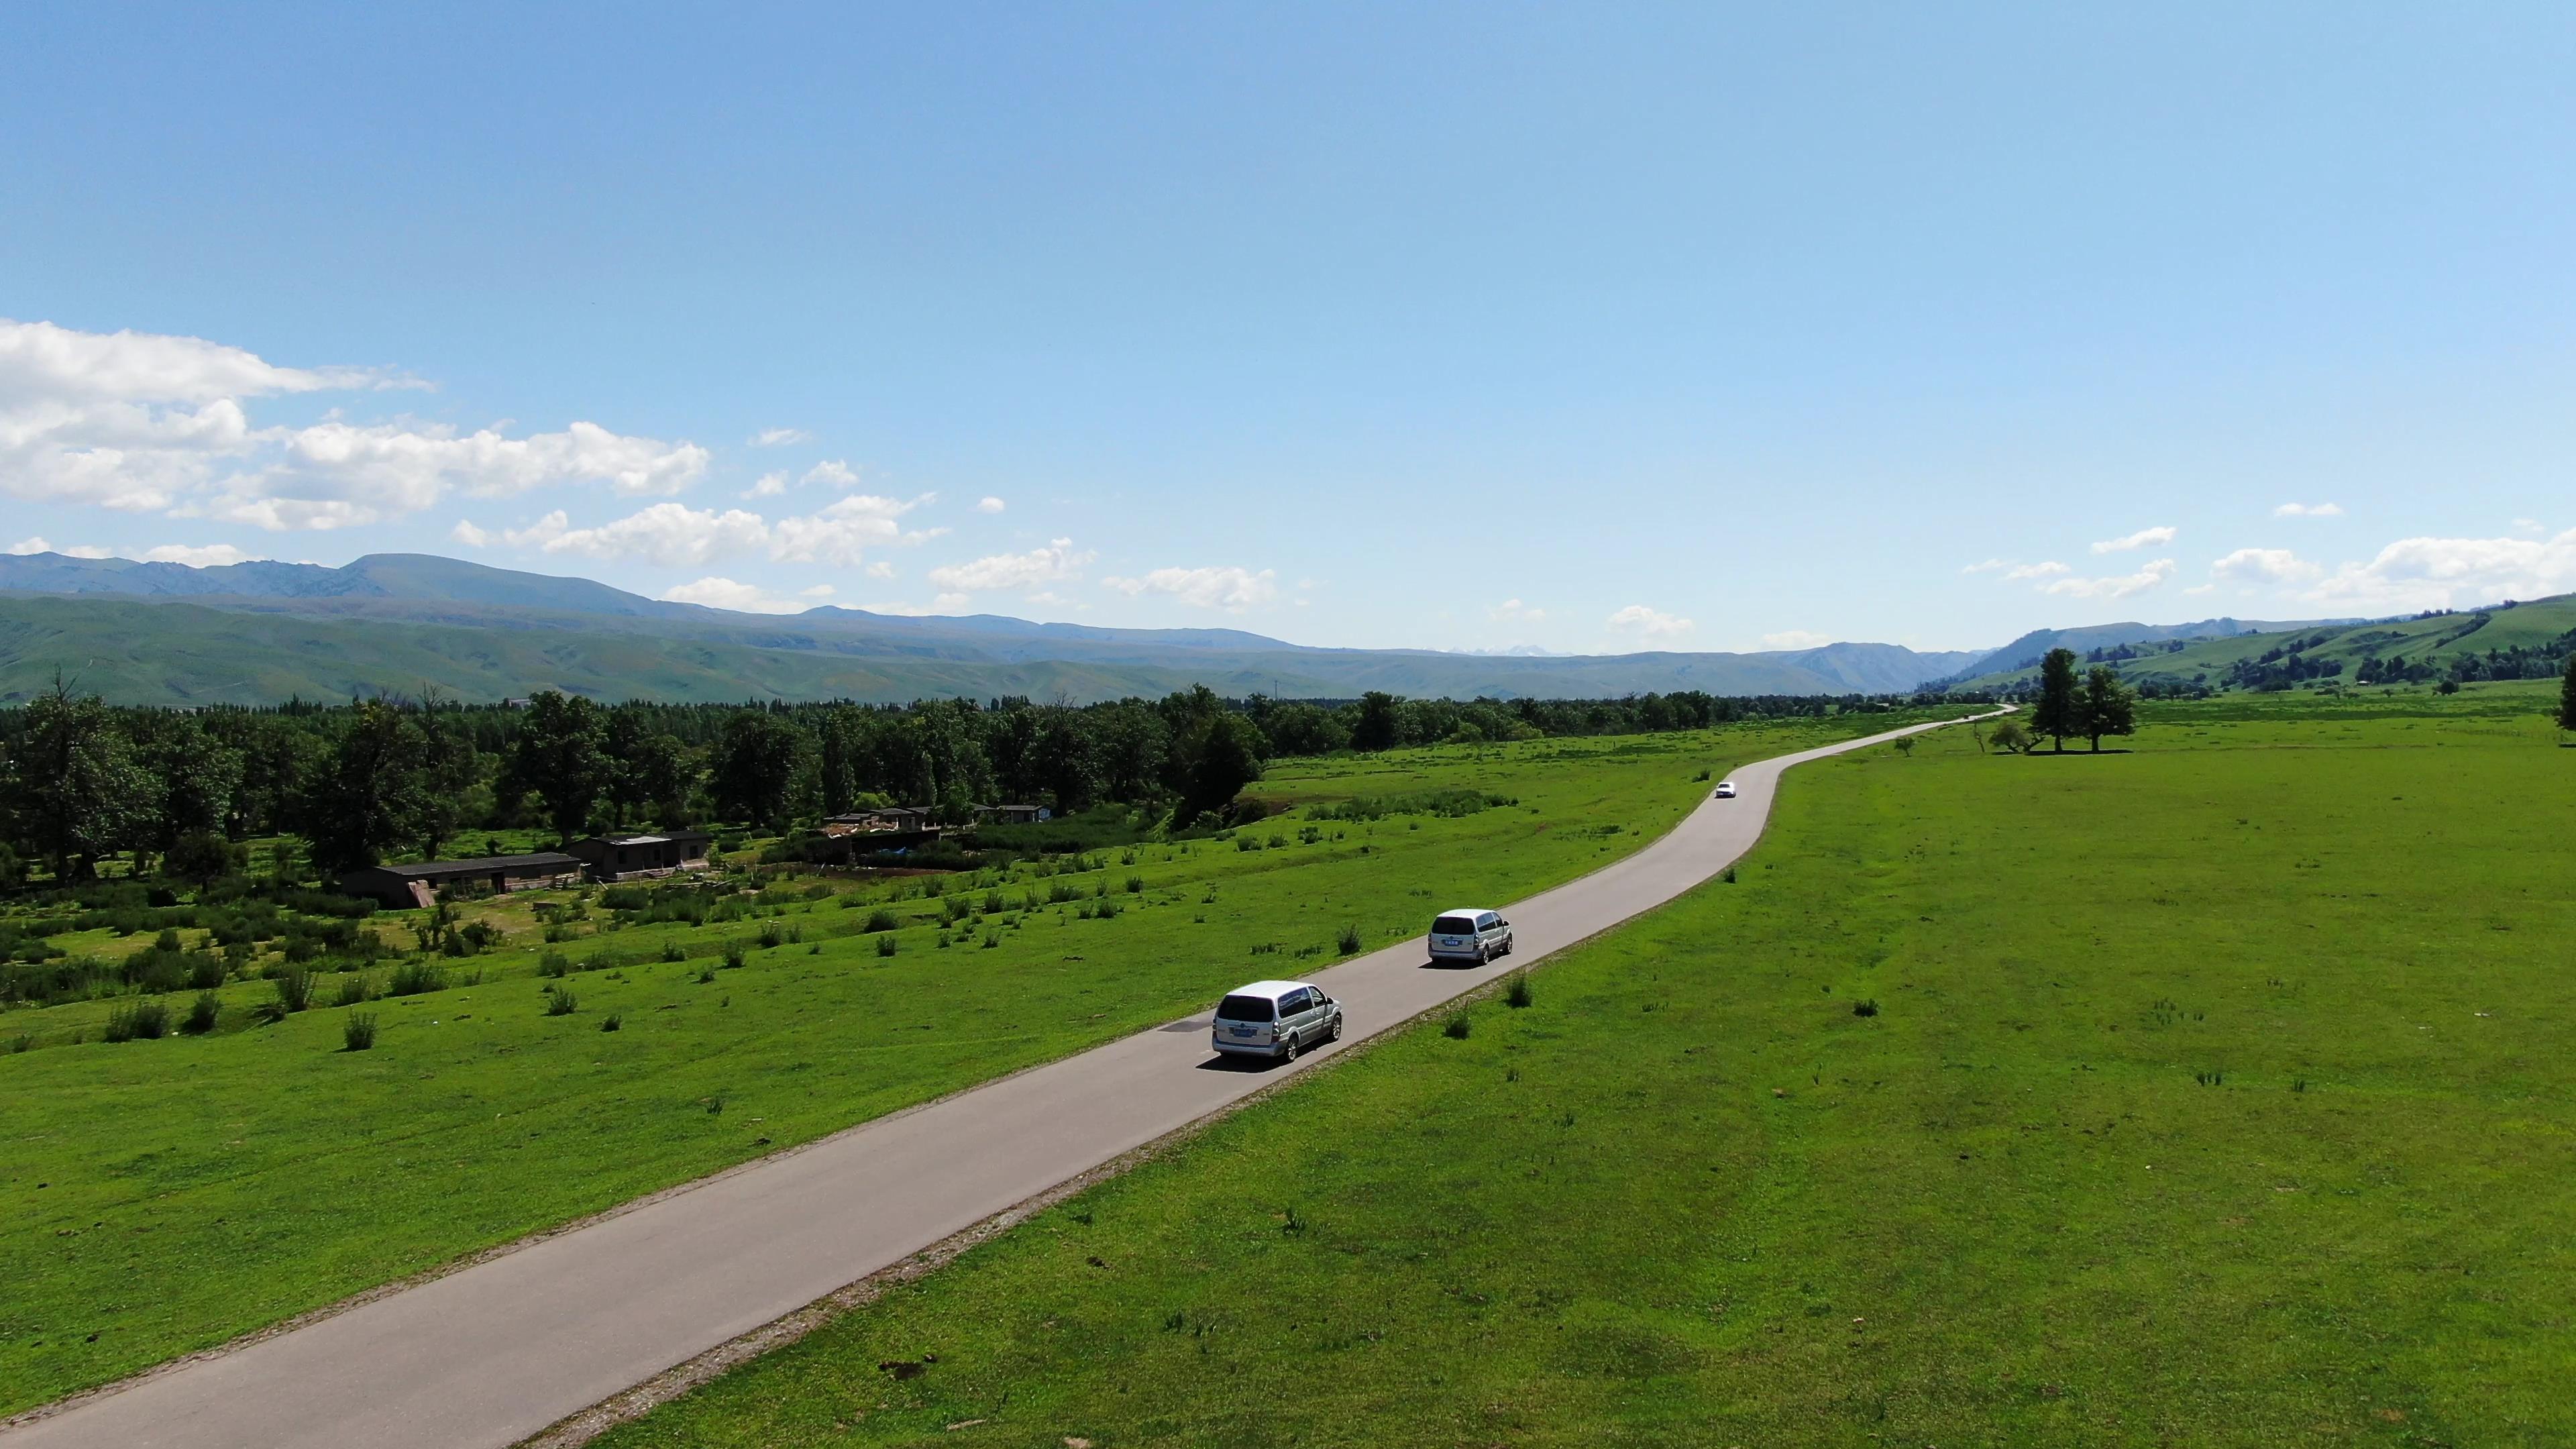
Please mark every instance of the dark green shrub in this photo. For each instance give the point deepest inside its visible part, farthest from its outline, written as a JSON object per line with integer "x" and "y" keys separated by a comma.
{"x": 149, "y": 1020}
{"x": 554, "y": 964}
{"x": 733, "y": 956}
{"x": 706, "y": 974}
{"x": 771, "y": 935}
{"x": 885, "y": 945}
{"x": 560, "y": 1002}
{"x": 1519, "y": 994}
{"x": 611, "y": 1022}
{"x": 1458, "y": 1028}
{"x": 206, "y": 970}
{"x": 1135, "y": 885}
{"x": 993, "y": 903}
{"x": 1349, "y": 941}
{"x": 295, "y": 988}
{"x": 353, "y": 991}
{"x": 416, "y": 978}
{"x": 882, "y": 919}
{"x": 201, "y": 1014}
{"x": 168, "y": 941}
{"x": 1865, "y": 1008}
{"x": 478, "y": 937}
{"x": 358, "y": 1033}
{"x": 673, "y": 951}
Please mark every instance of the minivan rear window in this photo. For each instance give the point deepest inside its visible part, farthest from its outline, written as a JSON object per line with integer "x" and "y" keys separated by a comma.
{"x": 1244, "y": 1008}
{"x": 1454, "y": 926}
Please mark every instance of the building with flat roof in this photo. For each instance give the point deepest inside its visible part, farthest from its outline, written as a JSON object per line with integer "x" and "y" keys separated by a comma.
{"x": 406, "y": 886}
{"x": 639, "y": 857}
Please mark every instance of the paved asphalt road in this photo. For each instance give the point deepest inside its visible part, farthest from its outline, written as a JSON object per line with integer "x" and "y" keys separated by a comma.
{"x": 500, "y": 1350}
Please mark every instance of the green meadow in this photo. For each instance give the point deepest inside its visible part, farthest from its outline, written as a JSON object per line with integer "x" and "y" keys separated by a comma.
{"x": 166, "y": 1195}
{"x": 2212, "y": 1093}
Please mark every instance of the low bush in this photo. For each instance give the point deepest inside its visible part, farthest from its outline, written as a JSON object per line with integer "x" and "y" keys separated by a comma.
{"x": 1459, "y": 1027}
{"x": 201, "y": 1014}
{"x": 294, "y": 988}
{"x": 885, "y": 945}
{"x": 733, "y": 956}
{"x": 149, "y": 1020}
{"x": 1349, "y": 941}
{"x": 358, "y": 1033}
{"x": 353, "y": 991}
{"x": 555, "y": 964}
{"x": 560, "y": 1002}
{"x": 1519, "y": 993}
{"x": 416, "y": 978}
{"x": 611, "y": 1022}
{"x": 882, "y": 919}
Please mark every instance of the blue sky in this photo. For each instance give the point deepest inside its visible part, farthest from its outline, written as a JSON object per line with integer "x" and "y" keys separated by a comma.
{"x": 1450, "y": 326}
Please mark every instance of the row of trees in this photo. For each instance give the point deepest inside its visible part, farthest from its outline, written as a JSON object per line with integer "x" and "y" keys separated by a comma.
{"x": 382, "y": 777}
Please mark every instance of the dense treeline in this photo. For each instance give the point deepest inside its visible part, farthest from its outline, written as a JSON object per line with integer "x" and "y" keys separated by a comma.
{"x": 384, "y": 778}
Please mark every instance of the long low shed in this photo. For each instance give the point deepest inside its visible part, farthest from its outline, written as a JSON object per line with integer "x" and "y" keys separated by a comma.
{"x": 403, "y": 886}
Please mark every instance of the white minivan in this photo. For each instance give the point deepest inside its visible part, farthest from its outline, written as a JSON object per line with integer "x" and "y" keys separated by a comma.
{"x": 1470, "y": 934}
{"x": 1275, "y": 1019}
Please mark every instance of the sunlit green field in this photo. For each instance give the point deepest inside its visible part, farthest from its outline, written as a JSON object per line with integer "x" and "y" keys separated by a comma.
{"x": 167, "y": 1195}
{"x": 2216, "y": 1093}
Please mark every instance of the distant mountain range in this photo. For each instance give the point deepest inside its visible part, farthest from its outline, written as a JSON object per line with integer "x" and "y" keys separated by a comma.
{"x": 254, "y": 633}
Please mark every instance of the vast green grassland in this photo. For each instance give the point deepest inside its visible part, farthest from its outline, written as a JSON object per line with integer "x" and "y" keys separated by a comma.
{"x": 2216, "y": 1093}
{"x": 165, "y": 1195}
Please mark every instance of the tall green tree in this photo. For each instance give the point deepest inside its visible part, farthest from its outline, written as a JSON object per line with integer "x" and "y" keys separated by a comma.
{"x": 367, "y": 797}
{"x": 2567, "y": 697}
{"x": 76, "y": 789}
{"x": 2108, "y": 707}
{"x": 1381, "y": 718}
{"x": 2059, "y": 712}
{"x": 448, "y": 770}
{"x": 1220, "y": 754}
{"x": 557, "y": 757}
{"x": 755, "y": 763}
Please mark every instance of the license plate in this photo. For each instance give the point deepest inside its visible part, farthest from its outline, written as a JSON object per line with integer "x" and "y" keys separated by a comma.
{"x": 1244, "y": 1031}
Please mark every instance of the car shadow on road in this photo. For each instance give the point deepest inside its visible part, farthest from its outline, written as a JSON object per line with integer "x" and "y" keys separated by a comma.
{"x": 1229, "y": 1062}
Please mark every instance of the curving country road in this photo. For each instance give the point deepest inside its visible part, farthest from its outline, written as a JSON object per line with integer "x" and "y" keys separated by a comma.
{"x": 495, "y": 1352}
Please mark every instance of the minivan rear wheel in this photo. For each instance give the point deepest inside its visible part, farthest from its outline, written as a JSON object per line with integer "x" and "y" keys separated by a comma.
{"x": 1288, "y": 1053}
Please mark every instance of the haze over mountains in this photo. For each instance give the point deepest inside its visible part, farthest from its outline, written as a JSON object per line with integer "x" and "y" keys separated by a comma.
{"x": 252, "y": 633}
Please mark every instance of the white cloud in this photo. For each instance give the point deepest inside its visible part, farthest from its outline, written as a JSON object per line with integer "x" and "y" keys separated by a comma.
{"x": 990, "y": 505}
{"x": 467, "y": 534}
{"x": 1796, "y": 639}
{"x": 835, "y": 473}
{"x": 769, "y": 485}
{"x": 2119, "y": 586}
{"x": 1057, "y": 561}
{"x": 1989, "y": 566}
{"x": 2440, "y": 573}
{"x": 724, "y": 593}
{"x": 881, "y": 570}
{"x": 778, "y": 437}
{"x": 2531, "y": 526}
{"x": 1637, "y": 618}
{"x": 842, "y": 531}
{"x": 2196, "y": 590}
{"x": 2308, "y": 510}
{"x": 139, "y": 421}
{"x": 1509, "y": 611}
{"x": 2037, "y": 571}
{"x": 666, "y": 533}
{"x": 196, "y": 556}
{"x": 942, "y": 604}
{"x": 2263, "y": 566}
{"x": 2143, "y": 538}
{"x": 1231, "y": 589}
{"x": 36, "y": 544}
{"x": 819, "y": 591}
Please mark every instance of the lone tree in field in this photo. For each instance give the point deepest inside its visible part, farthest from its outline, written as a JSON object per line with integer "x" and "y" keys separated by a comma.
{"x": 2107, "y": 708}
{"x": 2059, "y": 712}
{"x": 2567, "y": 697}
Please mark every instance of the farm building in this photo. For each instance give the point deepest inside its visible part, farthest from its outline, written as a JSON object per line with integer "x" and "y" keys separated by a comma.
{"x": 1012, "y": 814}
{"x": 404, "y": 886}
{"x": 630, "y": 857}
{"x": 907, "y": 819}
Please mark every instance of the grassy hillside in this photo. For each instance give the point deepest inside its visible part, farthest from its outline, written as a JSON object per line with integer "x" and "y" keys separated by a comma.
{"x": 2217, "y": 1093}
{"x": 169, "y": 1194}
{"x": 2334, "y": 653}
{"x": 248, "y": 651}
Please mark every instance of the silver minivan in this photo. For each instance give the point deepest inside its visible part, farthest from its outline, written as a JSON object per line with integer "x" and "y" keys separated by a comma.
{"x": 1470, "y": 934}
{"x": 1275, "y": 1019}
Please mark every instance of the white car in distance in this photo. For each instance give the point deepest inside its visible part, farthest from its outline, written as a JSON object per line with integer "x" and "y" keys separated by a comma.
{"x": 1725, "y": 790}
